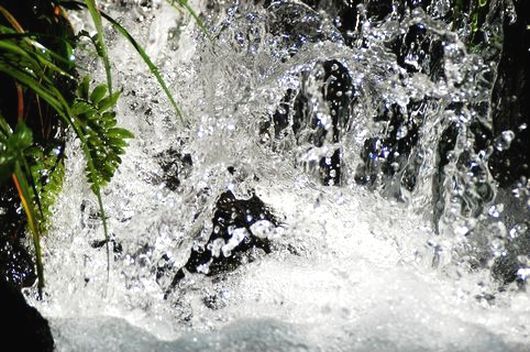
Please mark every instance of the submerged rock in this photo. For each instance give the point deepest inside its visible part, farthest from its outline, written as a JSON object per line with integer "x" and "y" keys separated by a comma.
{"x": 241, "y": 229}
{"x": 16, "y": 264}
{"x": 175, "y": 166}
{"x": 391, "y": 153}
{"x": 297, "y": 117}
{"x": 22, "y": 326}
{"x": 511, "y": 101}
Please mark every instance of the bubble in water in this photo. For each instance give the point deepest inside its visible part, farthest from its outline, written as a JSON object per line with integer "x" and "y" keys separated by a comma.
{"x": 523, "y": 274}
{"x": 504, "y": 141}
{"x": 238, "y": 235}
{"x": 402, "y": 132}
{"x": 262, "y": 228}
{"x": 524, "y": 260}
{"x": 496, "y": 210}
{"x": 518, "y": 230}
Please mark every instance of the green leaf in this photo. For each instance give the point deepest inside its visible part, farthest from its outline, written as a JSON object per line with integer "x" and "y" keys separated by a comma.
{"x": 109, "y": 101}
{"x": 81, "y": 107}
{"x": 83, "y": 88}
{"x": 101, "y": 46}
{"x": 103, "y": 142}
{"x": 185, "y": 5}
{"x": 120, "y": 133}
{"x": 21, "y": 139}
{"x": 98, "y": 93}
{"x": 152, "y": 67}
{"x": 26, "y": 197}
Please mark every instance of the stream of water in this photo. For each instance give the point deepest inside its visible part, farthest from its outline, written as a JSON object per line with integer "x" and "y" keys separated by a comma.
{"x": 389, "y": 231}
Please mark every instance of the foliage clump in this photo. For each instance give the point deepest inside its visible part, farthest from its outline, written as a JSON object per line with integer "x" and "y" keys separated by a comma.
{"x": 38, "y": 69}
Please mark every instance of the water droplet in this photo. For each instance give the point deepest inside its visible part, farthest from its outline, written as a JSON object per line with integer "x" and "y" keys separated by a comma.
{"x": 504, "y": 141}
{"x": 462, "y": 230}
{"x": 496, "y": 210}
{"x": 518, "y": 230}
{"x": 524, "y": 260}
{"x": 402, "y": 132}
{"x": 523, "y": 273}
{"x": 497, "y": 247}
{"x": 262, "y": 228}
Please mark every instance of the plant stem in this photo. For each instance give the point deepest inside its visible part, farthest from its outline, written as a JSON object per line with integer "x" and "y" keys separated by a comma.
{"x": 25, "y": 197}
{"x": 102, "y": 47}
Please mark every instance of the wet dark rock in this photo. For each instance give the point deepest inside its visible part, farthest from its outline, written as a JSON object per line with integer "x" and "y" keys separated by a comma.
{"x": 418, "y": 51}
{"x": 16, "y": 264}
{"x": 116, "y": 246}
{"x": 445, "y": 146}
{"x": 511, "y": 97}
{"x": 295, "y": 110}
{"x": 379, "y": 9}
{"x": 175, "y": 166}
{"x": 391, "y": 154}
{"x": 232, "y": 218}
{"x": 346, "y": 15}
{"x": 22, "y": 328}
{"x": 516, "y": 217}
{"x": 295, "y": 25}
{"x": 343, "y": 13}
{"x": 337, "y": 90}
{"x": 412, "y": 4}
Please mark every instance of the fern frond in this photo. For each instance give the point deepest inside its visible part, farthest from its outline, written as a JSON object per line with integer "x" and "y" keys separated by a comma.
{"x": 96, "y": 120}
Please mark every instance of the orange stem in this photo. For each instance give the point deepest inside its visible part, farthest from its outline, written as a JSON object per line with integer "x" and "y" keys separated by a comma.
{"x": 20, "y": 98}
{"x": 11, "y": 19}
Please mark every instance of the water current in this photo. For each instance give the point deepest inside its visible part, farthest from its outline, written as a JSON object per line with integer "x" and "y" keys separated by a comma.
{"x": 364, "y": 146}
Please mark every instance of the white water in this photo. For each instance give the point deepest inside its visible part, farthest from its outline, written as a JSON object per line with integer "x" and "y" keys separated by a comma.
{"x": 351, "y": 269}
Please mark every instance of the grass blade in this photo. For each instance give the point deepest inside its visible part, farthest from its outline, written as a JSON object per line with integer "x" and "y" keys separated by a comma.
{"x": 55, "y": 99}
{"x": 152, "y": 67}
{"x": 105, "y": 229}
{"x": 11, "y": 19}
{"x": 48, "y": 93}
{"x": 19, "y": 179}
{"x": 35, "y": 60}
{"x": 186, "y": 5}
{"x": 102, "y": 47}
{"x": 140, "y": 50}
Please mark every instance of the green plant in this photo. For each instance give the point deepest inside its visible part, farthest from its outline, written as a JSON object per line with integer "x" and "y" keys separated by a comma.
{"x": 13, "y": 162}
{"x": 34, "y": 67}
{"x": 176, "y": 4}
{"x": 472, "y": 12}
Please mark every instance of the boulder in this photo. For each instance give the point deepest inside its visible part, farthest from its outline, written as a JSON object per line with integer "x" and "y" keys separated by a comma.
{"x": 22, "y": 326}
{"x": 239, "y": 233}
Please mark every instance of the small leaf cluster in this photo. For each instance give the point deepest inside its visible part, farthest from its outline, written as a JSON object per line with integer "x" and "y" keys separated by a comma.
{"x": 96, "y": 120}
{"x": 13, "y": 145}
{"x": 41, "y": 65}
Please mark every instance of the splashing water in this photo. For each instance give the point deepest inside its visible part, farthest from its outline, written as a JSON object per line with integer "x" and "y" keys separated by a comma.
{"x": 366, "y": 146}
